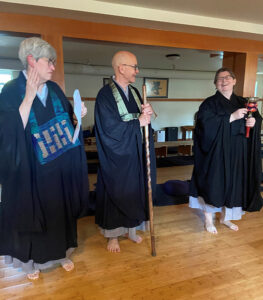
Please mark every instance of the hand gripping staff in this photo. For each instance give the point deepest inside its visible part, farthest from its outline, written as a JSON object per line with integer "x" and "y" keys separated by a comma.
{"x": 148, "y": 163}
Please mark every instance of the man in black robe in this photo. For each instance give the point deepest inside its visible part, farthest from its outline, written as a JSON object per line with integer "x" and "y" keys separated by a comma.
{"x": 227, "y": 170}
{"x": 43, "y": 174}
{"x": 121, "y": 204}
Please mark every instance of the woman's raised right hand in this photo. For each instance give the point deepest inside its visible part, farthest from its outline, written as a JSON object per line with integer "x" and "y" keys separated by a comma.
{"x": 32, "y": 84}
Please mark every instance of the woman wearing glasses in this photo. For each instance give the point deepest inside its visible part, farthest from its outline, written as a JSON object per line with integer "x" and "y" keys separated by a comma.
{"x": 42, "y": 172}
{"x": 227, "y": 171}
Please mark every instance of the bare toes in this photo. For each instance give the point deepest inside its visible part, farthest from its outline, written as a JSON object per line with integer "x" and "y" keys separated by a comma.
{"x": 211, "y": 228}
{"x": 113, "y": 245}
{"x": 33, "y": 276}
{"x": 230, "y": 225}
{"x": 68, "y": 266}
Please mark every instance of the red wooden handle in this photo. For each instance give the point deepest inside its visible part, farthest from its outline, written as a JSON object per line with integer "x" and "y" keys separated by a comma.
{"x": 247, "y": 132}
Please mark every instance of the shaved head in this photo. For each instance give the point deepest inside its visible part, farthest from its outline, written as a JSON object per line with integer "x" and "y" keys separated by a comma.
{"x": 125, "y": 67}
{"x": 122, "y": 57}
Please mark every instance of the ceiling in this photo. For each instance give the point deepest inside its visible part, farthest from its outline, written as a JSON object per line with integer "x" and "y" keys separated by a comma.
{"x": 239, "y": 10}
{"x": 206, "y": 17}
{"x": 239, "y": 18}
{"x": 149, "y": 57}
{"x": 100, "y": 54}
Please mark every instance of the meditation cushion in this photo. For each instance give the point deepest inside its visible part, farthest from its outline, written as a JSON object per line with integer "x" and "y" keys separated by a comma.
{"x": 176, "y": 187}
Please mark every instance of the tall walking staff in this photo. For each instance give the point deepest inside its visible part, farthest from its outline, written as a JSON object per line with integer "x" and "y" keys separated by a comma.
{"x": 148, "y": 163}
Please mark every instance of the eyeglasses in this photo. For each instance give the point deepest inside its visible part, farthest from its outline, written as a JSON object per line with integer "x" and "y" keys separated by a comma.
{"x": 51, "y": 62}
{"x": 227, "y": 77}
{"x": 135, "y": 67}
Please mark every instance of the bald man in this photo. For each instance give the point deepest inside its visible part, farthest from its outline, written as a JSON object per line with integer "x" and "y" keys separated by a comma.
{"x": 121, "y": 191}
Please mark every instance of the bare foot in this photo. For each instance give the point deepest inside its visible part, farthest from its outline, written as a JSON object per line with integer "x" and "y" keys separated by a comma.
{"x": 68, "y": 265}
{"x": 209, "y": 225}
{"x": 135, "y": 238}
{"x": 211, "y": 228}
{"x": 230, "y": 225}
{"x": 113, "y": 245}
{"x": 33, "y": 276}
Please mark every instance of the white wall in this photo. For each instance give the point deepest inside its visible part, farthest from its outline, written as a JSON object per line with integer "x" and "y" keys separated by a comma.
{"x": 170, "y": 113}
{"x": 174, "y": 114}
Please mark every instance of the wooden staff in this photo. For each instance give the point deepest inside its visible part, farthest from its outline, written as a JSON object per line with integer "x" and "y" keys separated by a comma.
{"x": 148, "y": 162}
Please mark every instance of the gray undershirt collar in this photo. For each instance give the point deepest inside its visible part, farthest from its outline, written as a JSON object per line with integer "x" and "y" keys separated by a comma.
{"x": 126, "y": 92}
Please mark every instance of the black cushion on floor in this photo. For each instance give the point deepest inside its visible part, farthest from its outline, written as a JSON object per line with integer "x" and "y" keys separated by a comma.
{"x": 176, "y": 187}
{"x": 162, "y": 199}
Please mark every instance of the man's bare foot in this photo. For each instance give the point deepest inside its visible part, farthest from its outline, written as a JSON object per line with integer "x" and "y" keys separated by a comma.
{"x": 113, "y": 245}
{"x": 34, "y": 275}
{"x": 135, "y": 238}
{"x": 209, "y": 225}
{"x": 68, "y": 265}
{"x": 230, "y": 225}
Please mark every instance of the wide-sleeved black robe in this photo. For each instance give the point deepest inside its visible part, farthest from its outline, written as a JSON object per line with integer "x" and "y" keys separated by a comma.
{"x": 121, "y": 191}
{"x": 227, "y": 169}
{"x": 40, "y": 203}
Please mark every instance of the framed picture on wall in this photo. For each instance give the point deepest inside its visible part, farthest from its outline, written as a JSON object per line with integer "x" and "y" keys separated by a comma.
{"x": 156, "y": 87}
{"x": 106, "y": 80}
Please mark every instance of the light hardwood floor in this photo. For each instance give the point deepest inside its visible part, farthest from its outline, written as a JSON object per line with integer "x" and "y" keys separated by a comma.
{"x": 190, "y": 263}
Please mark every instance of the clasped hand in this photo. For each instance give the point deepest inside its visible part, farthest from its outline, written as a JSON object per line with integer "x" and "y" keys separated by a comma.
{"x": 147, "y": 109}
{"x": 83, "y": 109}
{"x": 83, "y": 113}
{"x": 238, "y": 114}
{"x": 145, "y": 117}
{"x": 250, "y": 122}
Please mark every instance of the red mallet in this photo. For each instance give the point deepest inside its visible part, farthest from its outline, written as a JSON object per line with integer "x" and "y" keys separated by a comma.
{"x": 251, "y": 107}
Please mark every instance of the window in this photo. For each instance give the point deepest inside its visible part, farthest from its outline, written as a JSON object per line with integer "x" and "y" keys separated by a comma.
{"x": 5, "y": 76}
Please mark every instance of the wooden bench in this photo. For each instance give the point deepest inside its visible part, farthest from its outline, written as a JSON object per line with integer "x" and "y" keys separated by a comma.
{"x": 184, "y": 146}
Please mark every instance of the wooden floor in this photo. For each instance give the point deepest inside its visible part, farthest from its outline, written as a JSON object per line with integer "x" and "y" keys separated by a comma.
{"x": 190, "y": 263}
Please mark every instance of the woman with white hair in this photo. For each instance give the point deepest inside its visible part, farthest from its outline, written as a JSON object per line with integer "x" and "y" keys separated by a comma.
{"x": 43, "y": 173}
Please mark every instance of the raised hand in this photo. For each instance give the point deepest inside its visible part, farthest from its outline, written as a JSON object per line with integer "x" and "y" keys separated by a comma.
{"x": 32, "y": 84}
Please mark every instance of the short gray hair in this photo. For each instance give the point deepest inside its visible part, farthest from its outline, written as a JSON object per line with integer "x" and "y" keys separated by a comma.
{"x": 231, "y": 73}
{"x": 37, "y": 48}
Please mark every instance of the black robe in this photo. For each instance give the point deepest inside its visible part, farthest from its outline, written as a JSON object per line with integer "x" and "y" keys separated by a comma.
{"x": 227, "y": 169}
{"x": 121, "y": 192}
{"x": 40, "y": 203}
